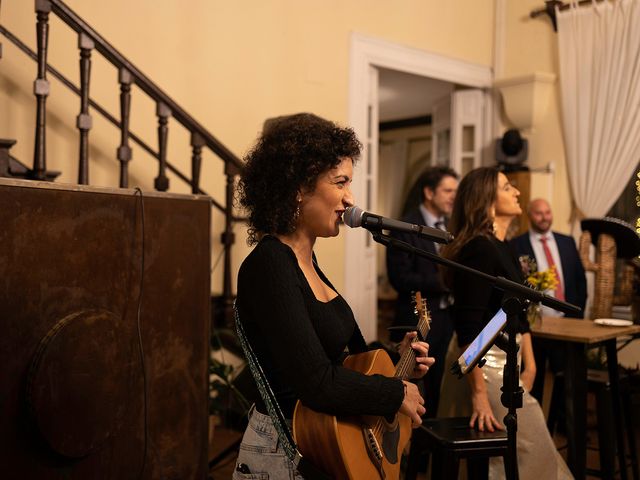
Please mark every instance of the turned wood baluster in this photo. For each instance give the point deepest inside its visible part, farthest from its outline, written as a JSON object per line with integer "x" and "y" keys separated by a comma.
{"x": 124, "y": 150}
{"x": 228, "y": 238}
{"x": 84, "y": 122}
{"x": 197, "y": 142}
{"x": 161, "y": 183}
{"x": 41, "y": 90}
{"x": 0, "y": 42}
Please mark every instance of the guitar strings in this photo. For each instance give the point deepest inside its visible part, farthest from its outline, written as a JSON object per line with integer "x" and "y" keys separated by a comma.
{"x": 407, "y": 362}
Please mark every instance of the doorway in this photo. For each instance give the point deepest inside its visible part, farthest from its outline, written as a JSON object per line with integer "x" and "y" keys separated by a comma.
{"x": 371, "y": 59}
{"x": 405, "y": 148}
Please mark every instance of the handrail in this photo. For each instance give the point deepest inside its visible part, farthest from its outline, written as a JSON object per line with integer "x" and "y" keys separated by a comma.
{"x": 100, "y": 109}
{"x": 143, "y": 82}
{"x": 89, "y": 40}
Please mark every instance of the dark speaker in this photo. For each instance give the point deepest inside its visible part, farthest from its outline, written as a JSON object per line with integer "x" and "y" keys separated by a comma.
{"x": 512, "y": 151}
{"x": 85, "y": 275}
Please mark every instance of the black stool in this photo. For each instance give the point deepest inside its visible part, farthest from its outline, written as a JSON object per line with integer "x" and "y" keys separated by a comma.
{"x": 598, "y": 383}
{"x": 451, "y": 439}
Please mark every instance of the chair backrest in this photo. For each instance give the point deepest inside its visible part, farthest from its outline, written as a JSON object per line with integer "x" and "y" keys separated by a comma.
{"x": 604, "y": 268}
{"x": 614, "y": 239}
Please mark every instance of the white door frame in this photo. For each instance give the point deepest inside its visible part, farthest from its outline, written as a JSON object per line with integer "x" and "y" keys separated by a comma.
{"x": 367, "y": 52}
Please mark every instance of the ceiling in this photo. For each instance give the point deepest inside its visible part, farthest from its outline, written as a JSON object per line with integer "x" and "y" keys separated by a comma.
{"x": 404, "y": 95}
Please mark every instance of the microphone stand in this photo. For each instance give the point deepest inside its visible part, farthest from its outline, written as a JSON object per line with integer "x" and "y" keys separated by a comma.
{"x": 517, "y": 297}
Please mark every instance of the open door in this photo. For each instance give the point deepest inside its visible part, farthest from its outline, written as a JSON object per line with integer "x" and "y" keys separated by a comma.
{"x": 457, "y": 126}
{"x": 366, "y": 55}
{"x": 361, "y": 266}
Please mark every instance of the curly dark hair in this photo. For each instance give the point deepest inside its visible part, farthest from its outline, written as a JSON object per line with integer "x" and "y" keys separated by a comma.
{"x": 289, "y": 156}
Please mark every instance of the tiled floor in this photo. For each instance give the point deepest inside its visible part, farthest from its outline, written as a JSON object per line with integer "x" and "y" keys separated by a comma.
{"x": 223, "y": 439}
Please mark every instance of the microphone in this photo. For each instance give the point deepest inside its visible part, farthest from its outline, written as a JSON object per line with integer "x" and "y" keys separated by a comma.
{"x": 356, "y": 217}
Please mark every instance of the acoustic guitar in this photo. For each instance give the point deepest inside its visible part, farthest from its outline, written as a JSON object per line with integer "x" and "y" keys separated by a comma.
{"x": 361, "y": 447}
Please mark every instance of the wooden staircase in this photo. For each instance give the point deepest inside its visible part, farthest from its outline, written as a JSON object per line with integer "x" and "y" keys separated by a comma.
{"x": 14, "y": 168}
{"x": 91, "y": 43}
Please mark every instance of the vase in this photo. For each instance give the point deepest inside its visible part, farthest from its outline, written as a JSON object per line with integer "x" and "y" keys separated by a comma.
{"x": 534, "y": 314}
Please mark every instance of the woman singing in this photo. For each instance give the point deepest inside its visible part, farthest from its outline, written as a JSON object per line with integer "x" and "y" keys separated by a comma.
{"x": 295, "y": 188}
{"x": 485, "y": 205}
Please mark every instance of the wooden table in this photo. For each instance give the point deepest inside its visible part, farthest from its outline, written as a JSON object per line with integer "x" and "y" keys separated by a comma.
{"x": 578, "y": 336}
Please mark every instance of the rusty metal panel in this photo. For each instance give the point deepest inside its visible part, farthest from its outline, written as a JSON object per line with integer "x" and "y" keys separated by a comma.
{"x": 72, "y": 392}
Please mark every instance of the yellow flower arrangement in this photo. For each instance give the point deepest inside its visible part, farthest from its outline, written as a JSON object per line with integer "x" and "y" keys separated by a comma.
{"x": 541, "y": 281}
{"x": 547, "y": 280}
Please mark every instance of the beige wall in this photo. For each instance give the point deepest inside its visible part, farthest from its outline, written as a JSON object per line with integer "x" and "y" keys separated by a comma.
{"x": 234, "y": 64}
{"x": 531, "y": 46}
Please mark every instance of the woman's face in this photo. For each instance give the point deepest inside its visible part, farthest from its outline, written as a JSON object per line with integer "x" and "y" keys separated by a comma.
{"x": 506, "y": 204}
{"x": 321, "y": 209}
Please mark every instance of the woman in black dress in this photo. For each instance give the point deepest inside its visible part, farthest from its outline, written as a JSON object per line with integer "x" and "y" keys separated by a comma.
{"x": 295, "y": 188}
{"x": 485, "y": 205}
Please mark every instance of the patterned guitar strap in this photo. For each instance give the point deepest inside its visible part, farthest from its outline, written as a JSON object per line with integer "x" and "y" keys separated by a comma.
{"x": 305, "y": 468}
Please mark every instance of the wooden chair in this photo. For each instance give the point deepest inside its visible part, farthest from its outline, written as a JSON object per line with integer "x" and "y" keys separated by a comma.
{"x": 608, "y": 448}
{"x": 450, "y": 439}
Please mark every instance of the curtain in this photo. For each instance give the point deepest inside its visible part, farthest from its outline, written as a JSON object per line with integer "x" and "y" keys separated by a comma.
{"x": 599, "y": 55}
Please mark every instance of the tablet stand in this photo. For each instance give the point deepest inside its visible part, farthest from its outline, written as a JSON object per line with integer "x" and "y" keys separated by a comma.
{"x": 511, "y": 396}
{"x": 518, "y": 296}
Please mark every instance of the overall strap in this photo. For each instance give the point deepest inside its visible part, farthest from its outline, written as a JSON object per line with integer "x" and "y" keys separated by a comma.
{"x": 273, "y": 408}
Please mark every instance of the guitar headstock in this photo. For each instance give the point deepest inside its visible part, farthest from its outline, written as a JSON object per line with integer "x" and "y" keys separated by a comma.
{"x": 421, "y": 311}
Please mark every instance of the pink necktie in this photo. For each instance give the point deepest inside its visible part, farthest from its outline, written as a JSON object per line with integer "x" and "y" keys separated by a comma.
{"x": 550, "y": 263}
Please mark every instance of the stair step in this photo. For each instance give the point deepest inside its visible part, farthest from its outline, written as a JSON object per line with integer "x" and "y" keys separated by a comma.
{"x": 12, "y": 167}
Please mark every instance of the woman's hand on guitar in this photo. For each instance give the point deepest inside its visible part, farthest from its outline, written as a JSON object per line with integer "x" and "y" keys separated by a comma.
{"x": 423, "y": 361}
{"x": 413, "y": 404}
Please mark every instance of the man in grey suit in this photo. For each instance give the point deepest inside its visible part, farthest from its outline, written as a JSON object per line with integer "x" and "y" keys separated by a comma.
{"x": 411, "y": 273}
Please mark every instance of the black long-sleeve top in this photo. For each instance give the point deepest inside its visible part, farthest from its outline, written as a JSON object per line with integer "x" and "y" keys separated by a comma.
{"x": 476, "y": 300}
{"x": 300, "y": 341}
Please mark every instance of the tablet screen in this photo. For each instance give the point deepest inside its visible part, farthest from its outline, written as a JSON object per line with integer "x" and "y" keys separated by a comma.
{"x": 481, "y": 344}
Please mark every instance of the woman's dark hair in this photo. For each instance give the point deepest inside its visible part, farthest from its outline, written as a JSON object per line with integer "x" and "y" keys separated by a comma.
{"x": 290, "y": 155}
{"x": 471, "y": 214}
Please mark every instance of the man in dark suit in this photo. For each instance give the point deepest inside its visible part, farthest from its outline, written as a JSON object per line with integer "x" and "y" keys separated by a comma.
{"x": 408, "y": 274}
{"x": 550, "y": 248}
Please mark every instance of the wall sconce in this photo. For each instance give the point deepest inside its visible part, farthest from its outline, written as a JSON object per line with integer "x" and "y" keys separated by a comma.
{"x": 526, "y": 98}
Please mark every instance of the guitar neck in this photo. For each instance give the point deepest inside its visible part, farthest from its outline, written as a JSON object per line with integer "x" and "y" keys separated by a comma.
{"x": 408, "y": 360}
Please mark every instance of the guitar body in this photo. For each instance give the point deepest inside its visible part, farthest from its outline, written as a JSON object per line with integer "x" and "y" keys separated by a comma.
{"x": 339, "y": 445}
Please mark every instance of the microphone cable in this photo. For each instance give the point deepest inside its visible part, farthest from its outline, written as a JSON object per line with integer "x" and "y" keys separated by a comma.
{"x": 139, "y": 330}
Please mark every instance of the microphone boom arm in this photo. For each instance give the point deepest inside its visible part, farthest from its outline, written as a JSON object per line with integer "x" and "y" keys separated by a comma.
{"x": 356, "y": 217}
{"x": 518, "y": 290}
{"x": 377, "y": 223}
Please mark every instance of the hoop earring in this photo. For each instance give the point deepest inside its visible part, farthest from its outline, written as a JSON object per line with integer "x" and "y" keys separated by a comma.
{"x": 492, "y": 218}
